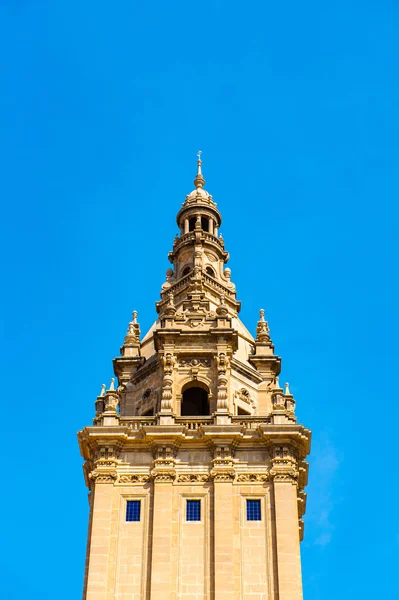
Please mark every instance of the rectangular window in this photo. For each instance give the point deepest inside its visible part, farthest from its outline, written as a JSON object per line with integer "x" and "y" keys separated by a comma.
{"x": 193, "y": 510}
{"x": 253, "y": 510}
{"x": 133, "y": 510}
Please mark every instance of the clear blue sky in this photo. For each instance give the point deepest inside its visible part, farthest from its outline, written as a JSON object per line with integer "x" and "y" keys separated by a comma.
{"x": 103, "y": 106}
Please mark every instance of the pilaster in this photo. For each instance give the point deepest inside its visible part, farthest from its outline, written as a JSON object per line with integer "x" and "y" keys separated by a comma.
{"x": 223, "y": 534}
{"x": 162, "y": 531}
{"x": 284, "y": 474}
{"x": 101, "y": 528}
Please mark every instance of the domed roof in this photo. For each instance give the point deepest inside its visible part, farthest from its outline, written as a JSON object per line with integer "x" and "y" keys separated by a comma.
{"x": 199, "y": 194}
{"x": 199, "y": 197}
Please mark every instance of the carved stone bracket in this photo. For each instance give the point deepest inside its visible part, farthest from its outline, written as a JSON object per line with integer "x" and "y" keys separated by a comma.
{"x": 284, "y": 470}
{"x": 103, "y": 476}
{"x": 164, "y": 456}
{"x": 163, "y": 476}
{"x": 223, "y": 475}
{"x": 106, "y": 455}
{"x": 223, "y": 457}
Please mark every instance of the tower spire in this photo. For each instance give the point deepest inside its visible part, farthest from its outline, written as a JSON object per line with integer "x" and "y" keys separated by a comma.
{"x": 199, "y": 181}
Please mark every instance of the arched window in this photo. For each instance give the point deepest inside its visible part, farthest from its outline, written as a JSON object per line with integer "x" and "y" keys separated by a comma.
{"x": 186, "y": 271}
{"x": 210, "y": 271}
{"x": 195, "y": 402}
{"x": 146, "y": 394}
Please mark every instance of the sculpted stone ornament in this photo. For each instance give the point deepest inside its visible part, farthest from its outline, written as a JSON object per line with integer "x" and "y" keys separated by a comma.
{"x": 134, "y": 478}
{"x": 278, "y": 399}
{"x": 194, "y": 362}
{"x": 262, "y": 330}
{"x": 99, "y": 403}
{"x": 244, "y": 396}
{"x": 133, "y": 331}
{"x": 284, "y": 465}
{"x": 222, "y": 309}
{"x": 193, "y": 477}
{"x": 163, "y": 476}
{"x": 99, "y": 476}
{"x": 167, "y": 393}
{"x": 170, "y": 308}
{"x": 164, "y": 457}
{"x": 111, "y": 398}
{"x": 252, "y": 477}
{"x": 222, "y": 365}
{"x": 169, "y": 278}
{"x": 223, "y": 457}
{"x": 289, "y": 400}
{"x": 223, "y": 476}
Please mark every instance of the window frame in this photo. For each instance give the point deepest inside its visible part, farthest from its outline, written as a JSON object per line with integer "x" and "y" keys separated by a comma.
{"x": 186, "y": 510}
{"x": 138, "y": 502}
{"x": 259, "y": 501}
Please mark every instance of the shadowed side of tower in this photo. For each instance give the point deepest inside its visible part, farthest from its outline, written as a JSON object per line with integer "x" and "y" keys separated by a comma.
{"x": 195, "y": 461}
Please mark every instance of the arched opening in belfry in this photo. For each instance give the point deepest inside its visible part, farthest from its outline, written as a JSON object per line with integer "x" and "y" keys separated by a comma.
{"x": 191, "y": 223}
{"x": 186, "y": 270}
{"x": 204, "y": 223}
{"x": 195, "y": 400}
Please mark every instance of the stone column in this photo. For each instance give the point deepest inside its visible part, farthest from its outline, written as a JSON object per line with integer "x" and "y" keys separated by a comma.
{"x": 223, "y": 535}
{"x": 162, "y": 536}
{"x": 211, "y": 226}
{"x": 186, "y": 225}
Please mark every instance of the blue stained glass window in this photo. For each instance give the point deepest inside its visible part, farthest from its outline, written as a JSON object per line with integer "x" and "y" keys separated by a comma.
{"x": 253, "y": 510}
{"x": 193, "y": 510}
{"x": 133, "y": 510}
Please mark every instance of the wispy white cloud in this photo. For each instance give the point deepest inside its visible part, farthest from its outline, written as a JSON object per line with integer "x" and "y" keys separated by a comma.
{"x": 323, "y": 469}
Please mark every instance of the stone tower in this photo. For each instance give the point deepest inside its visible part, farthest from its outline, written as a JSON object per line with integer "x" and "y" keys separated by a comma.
{"x": 195, "y": 462}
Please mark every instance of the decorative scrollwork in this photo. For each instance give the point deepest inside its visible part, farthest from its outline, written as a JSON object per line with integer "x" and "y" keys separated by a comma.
{"x": 221, "y": 476}
{"x": 103, "y": 477}
{"x": 134, "y": 478}
{"x": 194, "y": 362}
{"x": 252, "y": 477}
{"x": 163, "y": 476}
{"x": 193, "y": 477}
{"x": 244, "y": 396}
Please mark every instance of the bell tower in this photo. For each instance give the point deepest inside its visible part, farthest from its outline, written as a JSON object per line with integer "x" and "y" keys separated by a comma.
{"x": 195, "y": 461}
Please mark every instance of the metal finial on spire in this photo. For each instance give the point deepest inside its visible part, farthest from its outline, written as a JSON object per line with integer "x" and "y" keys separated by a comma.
{"x": 199, "y": 181}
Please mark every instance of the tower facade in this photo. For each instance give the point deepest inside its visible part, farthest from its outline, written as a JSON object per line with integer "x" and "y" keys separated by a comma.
{"x": 195, "y": 461}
